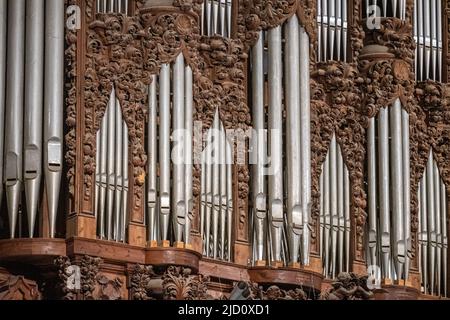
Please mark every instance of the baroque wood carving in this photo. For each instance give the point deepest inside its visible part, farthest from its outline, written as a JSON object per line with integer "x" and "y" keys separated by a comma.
{"x": 18, "y": 288}
{"x": 140, "y": 282}
{"x": 335, "y": 109}
{"x": 180, "y": 284}
{"x": 348, "y": 286}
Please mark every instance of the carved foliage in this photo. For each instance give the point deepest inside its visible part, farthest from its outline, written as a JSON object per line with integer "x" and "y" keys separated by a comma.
{"x": 180, "y": 284}
{"x": 108, "y": 289}
{"x": 140, "y": 282}
{"x": 18, "y": 288}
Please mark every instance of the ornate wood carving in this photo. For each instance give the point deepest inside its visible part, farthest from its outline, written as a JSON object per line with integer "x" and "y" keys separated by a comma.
{"x": 108, "y": 289}
{"x": 180, "y": 284}
{"x": 335, "y": 108}
{"x": 348, "y": 286}
{"x": 140, "y": 287}
{"x": 18, "y": 288}
{"x": 89, "y": 268}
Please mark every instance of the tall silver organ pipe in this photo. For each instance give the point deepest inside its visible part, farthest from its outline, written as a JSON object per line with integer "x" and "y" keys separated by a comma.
{"x": 112, "y": 178}
{"x": 287, "y": 238}
{"x": 218, "y": 201}
{"x": 335, "y": 213}
{"x": 34, "y": 102}
{"x": 275, "y": 124}
{"x": 259, "y": 152}
{"x": 31, "y": 91}
{"x": 389, "y": 222}
{"x": 428, "y": 36}
{"x": 386, "y": 8}
{"x": 3, "y": 34}
{"x": 14, "y": 109}
{"x": 216, "y": 18}
{"x": 169, "y": 146}
{"x": 112, "y": 6}
{"x": 332, "y": 33}
{"x": 433, "y": 230}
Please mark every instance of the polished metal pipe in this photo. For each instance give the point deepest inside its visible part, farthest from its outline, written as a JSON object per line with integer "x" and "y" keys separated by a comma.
{"x": 437, "y": 219}
{"x": 398, "y": 238}
{"x": 327, "y": 212}
{"x": 14, "y": 109}
{"x": 178, "y": 168}
{"x": 423, "y": 232}
{"x": 344, "y": 31}
{"x": 34, "y": 107}
{"x": 431, "y": 222}
{"x": 3, "y": 35}
{"x": 125, "y": 171}
{"x": 322, "y": 212}
{"x": 372, "y": 184}
{"x": 216, "y": 183}
{"x": 433, "y": 38}
{"x": 152, "y": 197}
{"x": 97, "y": 173}
{"x": 111, "y": 182}
{"x": 331, "y": 27}
{"x": 325, "y": 26}
{"x": 444, "y": 226}
{"x": 305, "y": 123}
{"x": 54, "y": 105}
{"x": 229, "y": 159}
{"x": 406, "y": 190}
{"x": 276, "y": 143}
{"x": 189, "y": 118}
{"x": 103, "y": 173}
{"x": 259, "y": 148}
{"x": 340, "y": 206}
{"x": 209, "y": 190}
{"x": 319, "y": 31}
{"x": 426, "y": 22}
{"x": 164, "y": 149}
{"x": 439, "y": 39}
{"x": 347, "y": 217}
{"x": 118, "y": 126}
{"x": 293, "y": 145}
{"x": 384, "y": 185}
{"x": 223, "y": 191}
{"x": 338, "y": 26}
{"x": 333, "y": 204}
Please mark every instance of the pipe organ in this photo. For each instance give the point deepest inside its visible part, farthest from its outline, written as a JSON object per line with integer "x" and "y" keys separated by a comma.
{"x": 31, "y": 111}
{"x": 112, "y": 6}
{"x": 389, "y": 222}
{"x": 112, "y": 180}
{"x": 428, "y": 36}
{"x": 217, "y": 194}
{"x": 216, "y": 18}
{"x": 335, "y": 213}
{"x": 170, "y": 144}
{"x": 345, "y": 173}
{"x": 385, "y": 8}
{"x": 333, "y": 30}
{"x": 433, "y": 241}
{"x": 282, "y": 236}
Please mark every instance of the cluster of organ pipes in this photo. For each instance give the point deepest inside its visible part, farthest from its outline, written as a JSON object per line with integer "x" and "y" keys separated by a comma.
{"x": 332, "y": 33}
{"x": 170, "y": 179}
{"x": 111, "y": 183}
{"x": 385, "y": 8}
{"x": 31, "y": 108}
{"x": 216, "y": 18}
{"x": 433, "y": 241}
{"x": 389, "y": 225}
{"x": 282, "y": 232}
{"x": 216, "y": 212}
{"x": 428, "y": 36}
{"x": 112, "y": 6}
{"x": 334, "y": 213}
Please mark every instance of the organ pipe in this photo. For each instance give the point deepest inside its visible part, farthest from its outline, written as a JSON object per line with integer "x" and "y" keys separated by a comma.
{"x": 34, "y": 103}
{"x": 14, "y": 109}
{"x": 276, "y": 142}
{"x": 111, "y": 166}
{"x": 119, "y": 181}
{"x": 3, "y": 49}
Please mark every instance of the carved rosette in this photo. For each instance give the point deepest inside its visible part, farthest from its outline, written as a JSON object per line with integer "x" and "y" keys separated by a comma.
{"x": 180, "y": 284}
{"x": 336, "y": 109}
